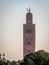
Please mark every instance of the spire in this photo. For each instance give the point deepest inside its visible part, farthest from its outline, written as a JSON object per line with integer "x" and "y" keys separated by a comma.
{"x": 29, "y": 9}
{"x": 29, "y": 17}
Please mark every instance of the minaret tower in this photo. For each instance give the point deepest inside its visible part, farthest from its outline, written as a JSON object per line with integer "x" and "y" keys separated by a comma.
{"x": 28, "y": 35}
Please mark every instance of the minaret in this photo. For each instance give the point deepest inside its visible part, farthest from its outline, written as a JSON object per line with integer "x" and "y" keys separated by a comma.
{"x": 28, "y": 35}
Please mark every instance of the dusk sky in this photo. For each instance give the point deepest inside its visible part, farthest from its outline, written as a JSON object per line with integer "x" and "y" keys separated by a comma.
{"x": 12, "y": 18}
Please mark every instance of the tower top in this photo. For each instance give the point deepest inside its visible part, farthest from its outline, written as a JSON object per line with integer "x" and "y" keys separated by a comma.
{"x": 29, "y": 17}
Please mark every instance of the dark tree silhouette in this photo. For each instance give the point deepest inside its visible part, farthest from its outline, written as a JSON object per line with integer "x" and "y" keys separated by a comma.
{"x": 38, "y": 58}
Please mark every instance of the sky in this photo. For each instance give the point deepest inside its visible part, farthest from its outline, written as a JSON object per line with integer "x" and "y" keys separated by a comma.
{"x": 12, "y": 18}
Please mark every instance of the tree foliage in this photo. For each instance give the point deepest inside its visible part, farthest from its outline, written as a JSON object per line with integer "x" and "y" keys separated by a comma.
{"x": 38, "y": 58}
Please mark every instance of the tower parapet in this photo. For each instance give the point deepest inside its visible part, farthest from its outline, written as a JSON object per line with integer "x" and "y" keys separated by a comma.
{"x": 29, "y": 17}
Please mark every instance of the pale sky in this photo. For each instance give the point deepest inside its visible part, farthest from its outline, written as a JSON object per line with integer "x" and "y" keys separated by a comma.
{"x": 12, "y": 18}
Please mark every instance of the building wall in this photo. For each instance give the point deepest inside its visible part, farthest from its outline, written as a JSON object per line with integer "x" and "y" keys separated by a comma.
{"x": 28, "y": 38}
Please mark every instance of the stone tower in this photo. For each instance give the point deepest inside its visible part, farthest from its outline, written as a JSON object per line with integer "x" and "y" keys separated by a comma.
{"x": 28, "y": 35}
